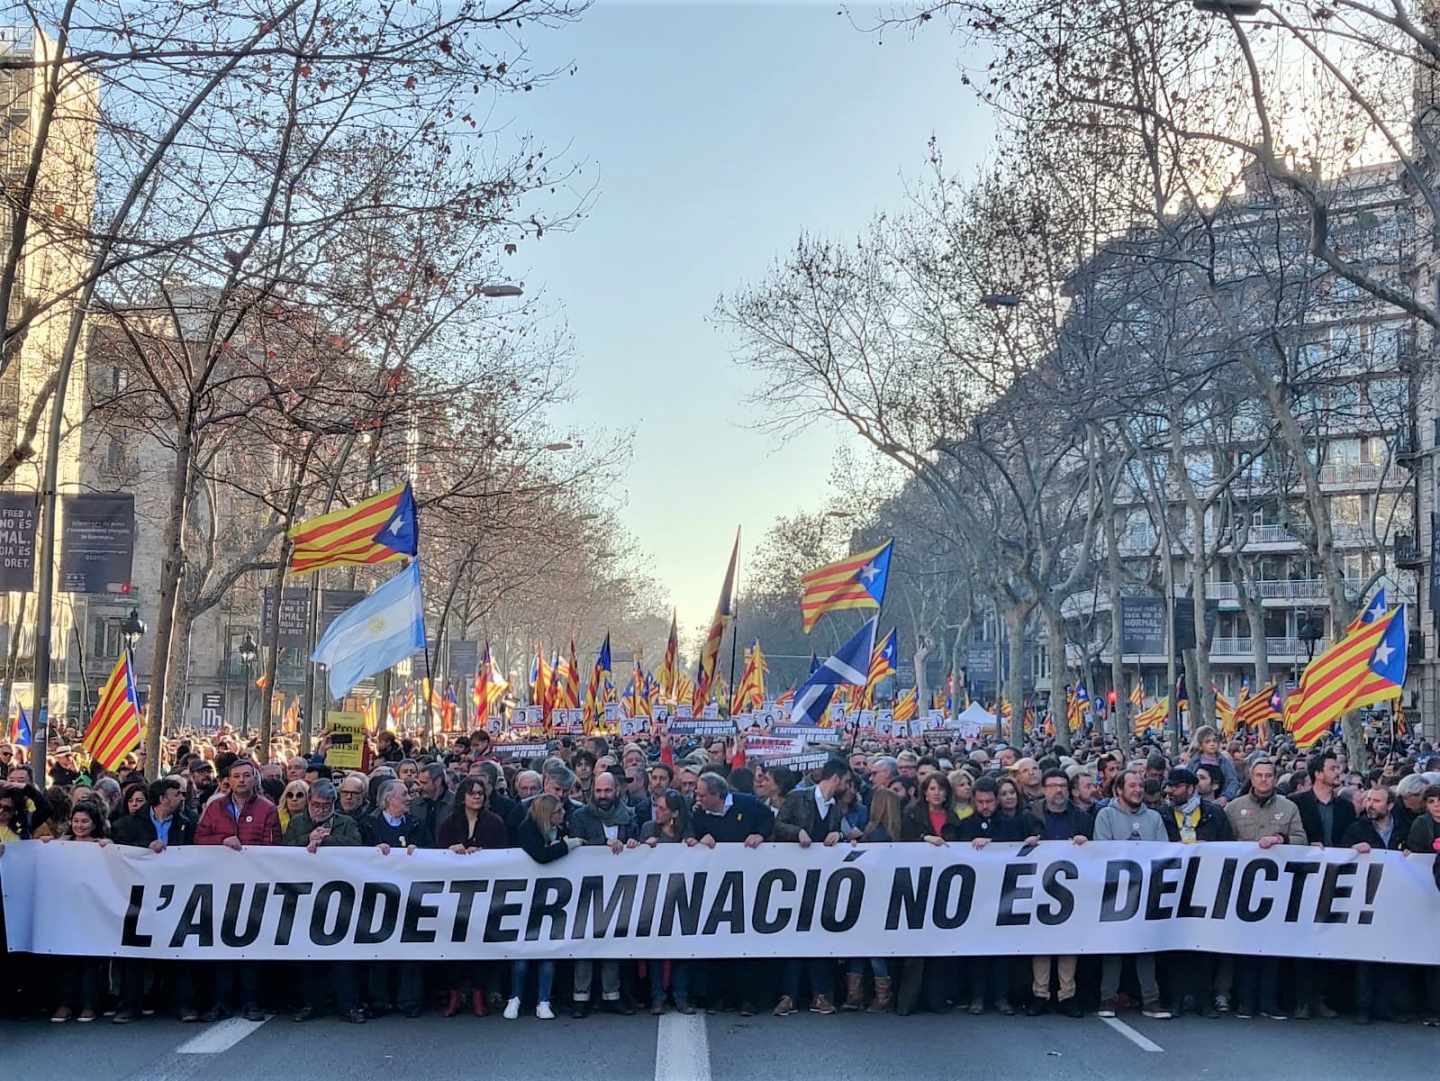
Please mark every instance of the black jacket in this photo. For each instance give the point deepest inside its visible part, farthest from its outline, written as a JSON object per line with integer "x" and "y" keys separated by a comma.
{"x": 411, "y": 831}
{"x": 998, "y": 827}
{"x": 745, "y": 816}
{"x": 799, "y": 812}
{"x": 1213, "y": 824}
{"x": 139, "y": 832}
{"x": 1309, "y": 808}
{"x": 1362, "y": 831}
{"x": 915, "y": 824}
{"x": 1074, "y": 822}
{"x": 540, "y": 848}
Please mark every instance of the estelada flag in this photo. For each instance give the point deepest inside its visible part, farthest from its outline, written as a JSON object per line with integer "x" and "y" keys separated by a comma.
{"x": 857, "y": 581}
{"x": 380, "y": 529}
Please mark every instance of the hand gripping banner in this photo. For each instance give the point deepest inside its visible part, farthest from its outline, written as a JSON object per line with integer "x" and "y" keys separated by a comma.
{"x": 673, "y": 901}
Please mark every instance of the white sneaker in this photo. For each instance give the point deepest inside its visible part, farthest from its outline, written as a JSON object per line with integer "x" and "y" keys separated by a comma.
{"x": 512, "y": 1009}
{"x": 544, "y": 1012}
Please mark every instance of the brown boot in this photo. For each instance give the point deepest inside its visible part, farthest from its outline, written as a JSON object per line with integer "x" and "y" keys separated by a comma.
{"x": 821, "y": 1004}
{"x": 477, "y": 1003}
{"x": 883, "y": 999}
{"x": 854, "y": 991}
{"x": 452, "y": 1005}
{"x": 884, "y": 996}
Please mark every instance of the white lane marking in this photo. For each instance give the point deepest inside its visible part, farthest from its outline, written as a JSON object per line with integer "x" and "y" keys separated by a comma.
{"x": 682, "y": 1051}
{"x": 1137, "y": 1038}
{"x": 218, "y": 1037}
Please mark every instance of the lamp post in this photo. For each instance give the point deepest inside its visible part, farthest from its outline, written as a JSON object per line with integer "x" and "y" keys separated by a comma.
{"x": 132, "y": 629}
{"x": 248, "y": 653}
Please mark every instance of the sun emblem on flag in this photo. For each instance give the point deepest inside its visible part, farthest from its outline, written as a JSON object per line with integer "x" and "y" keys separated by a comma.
{"x": 376, "y": 624}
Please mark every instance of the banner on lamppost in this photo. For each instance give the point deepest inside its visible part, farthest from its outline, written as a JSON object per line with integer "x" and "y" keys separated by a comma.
{"x": 294, "y": 614}
{"x": 1142, "y": 626}
{"x": 17, "y": 542}
{"x": 97, "y": 542}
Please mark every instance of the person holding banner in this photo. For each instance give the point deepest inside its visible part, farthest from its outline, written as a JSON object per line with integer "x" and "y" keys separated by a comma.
{"x": 1126, "y": 818}
{"x": 82, "y": 979}
{"x": 395, "y": 984}
{"x": 471, "y": 827}
{"x": 808, "y": 815}
{"x": 604, "y": 820}
{"x": 316, "y": 827}
{"x": 241, "y": 818}
{"x": 669, "y": 824}
{"x": 543, "y": 837}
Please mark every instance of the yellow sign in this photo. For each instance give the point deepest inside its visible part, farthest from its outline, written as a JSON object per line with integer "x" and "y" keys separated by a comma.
{"x": 347, "y": 740}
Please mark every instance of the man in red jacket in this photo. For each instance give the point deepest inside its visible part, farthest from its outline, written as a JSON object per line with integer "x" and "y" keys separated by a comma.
{"x": 244, "y": 817}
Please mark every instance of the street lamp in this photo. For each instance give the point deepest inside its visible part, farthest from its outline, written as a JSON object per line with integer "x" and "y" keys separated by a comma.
{"x": 248, "y": 653}
{"x": 132, "y": 629}
{"x": 1228, "y": 7}
{"x": 504, "y": 290}
{"x": 562, "y": 445}
{"x": 1001, "y": 300}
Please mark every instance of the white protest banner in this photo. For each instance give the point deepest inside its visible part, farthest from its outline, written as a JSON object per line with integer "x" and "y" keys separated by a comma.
{"x": 778, "y": 900}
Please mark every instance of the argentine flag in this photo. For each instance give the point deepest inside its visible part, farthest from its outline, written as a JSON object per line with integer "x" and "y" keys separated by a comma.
{"x": 385, "y": 628}
{"x": 850, "y": 664}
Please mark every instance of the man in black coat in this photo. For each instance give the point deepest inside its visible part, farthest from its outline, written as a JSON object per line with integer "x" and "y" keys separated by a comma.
{"x": 1188, "y": 817}
{"x": 1323, "y": 813}
{"x": 1378, "y": 987}
{"x": 1325, "y": 817}
{"x": 160, "y": 824}
{"x": 726, "y": 817}
{"x": 811, "y": 814}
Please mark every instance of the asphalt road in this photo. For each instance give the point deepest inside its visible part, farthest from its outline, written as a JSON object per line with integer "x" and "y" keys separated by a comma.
{"x": 723, "y": 1047}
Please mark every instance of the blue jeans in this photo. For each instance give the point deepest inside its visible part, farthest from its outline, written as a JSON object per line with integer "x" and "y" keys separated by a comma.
{"x": 878, "y": 965}
{"x": 544, "y": 980}
{"x": 679, "y": 981}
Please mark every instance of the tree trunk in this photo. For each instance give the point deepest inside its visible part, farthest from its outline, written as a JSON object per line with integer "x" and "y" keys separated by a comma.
{"x": 272, "y": 663}
{"x": 171, "y": 567}
{"x": 1120, "y": 721}
{"x": 922, "y": 698}
{"x": 1015, "y": 685}
{"x": 1202, "y": 694}
{"x": 1055, "y": 645}
{"x": 11, "y": 659}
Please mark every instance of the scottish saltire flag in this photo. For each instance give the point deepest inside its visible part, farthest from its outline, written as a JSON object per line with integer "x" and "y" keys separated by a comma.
{"x": 849, "y": 665}
{"x": 384, "y": 629}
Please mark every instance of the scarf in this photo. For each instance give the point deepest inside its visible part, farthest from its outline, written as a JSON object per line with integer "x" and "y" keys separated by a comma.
{"x": 619, "y": 814}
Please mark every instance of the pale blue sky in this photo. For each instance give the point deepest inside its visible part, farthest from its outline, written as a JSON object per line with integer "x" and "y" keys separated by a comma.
{"x": 714, "y": 135}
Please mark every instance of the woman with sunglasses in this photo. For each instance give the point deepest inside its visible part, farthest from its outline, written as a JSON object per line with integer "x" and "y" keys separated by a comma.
{"x": 292, "y": 802}
{"x": 471, "y": 827}
{"x": 670, "y": 825}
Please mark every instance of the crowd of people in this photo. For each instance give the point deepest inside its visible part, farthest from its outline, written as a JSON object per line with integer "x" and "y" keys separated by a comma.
{"x": 466, "y": 796}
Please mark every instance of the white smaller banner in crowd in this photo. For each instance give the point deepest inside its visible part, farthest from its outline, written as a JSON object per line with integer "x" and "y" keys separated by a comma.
{"x": 777, "y": 900}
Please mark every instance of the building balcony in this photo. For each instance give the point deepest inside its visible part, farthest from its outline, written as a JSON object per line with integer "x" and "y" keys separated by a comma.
{"x": 1407, "y": 554}
{"x": 1350, "y": 473}
{"x": 1243, "y": 649}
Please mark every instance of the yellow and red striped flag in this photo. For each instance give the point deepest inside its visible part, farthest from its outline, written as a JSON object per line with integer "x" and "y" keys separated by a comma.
{"x": 1154, "y": 717}
{"x": 856, "y": 581}
{"x": 1332, "y": 681}
{"x": 114, "y": 728}
{"x": 1256, "y": 710}
{"x": 380, "y": 529}
{"x": 710, "y": 651}
{"x": 1137, "y": 696}
{"x": 905, "y": 706}
{"x": 1225, "y": 712}
{"x": 670, "y": 663}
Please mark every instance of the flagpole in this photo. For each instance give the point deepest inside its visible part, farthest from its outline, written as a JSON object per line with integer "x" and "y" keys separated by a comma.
{"x": 734, "y": 635}
{"x": 85, "y": 683}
